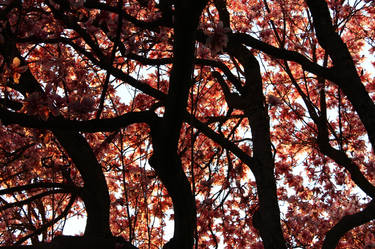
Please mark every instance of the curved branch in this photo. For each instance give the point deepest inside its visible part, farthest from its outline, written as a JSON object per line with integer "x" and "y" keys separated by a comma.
{"x": 95, "y": 192}
{"x": 166, "y": 133}
{"x": 118, "y": 73}
{"x": 338, "y": 156}
{"x": 94, "y": 125}
{"x": 347, "y": 223}
{"x": 256, "y": 112}
{"x": 105, "y": 65}
{"x": 342, "y": 159}
{"x": 231, "y": 77}
{"x": 72, "y": 23}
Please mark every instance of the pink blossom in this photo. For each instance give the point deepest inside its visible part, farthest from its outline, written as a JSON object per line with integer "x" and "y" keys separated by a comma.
{"x": 83, "y": 105}
{"x": 218, "y": 40}
{"x": 90, "y": 26}
{"x": 76, "y": 4}
{"x": 55, "y": 5}
{"x": 119, "y": 245}
{"x": 203, "y": 51}
{"x": 370, "y": 245}
{"x": 133, "y": 45}
{"x": 110, "y": 19}
{"x": 273, "y": 100}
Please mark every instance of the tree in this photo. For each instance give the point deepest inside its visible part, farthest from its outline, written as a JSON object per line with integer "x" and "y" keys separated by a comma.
{"x": 248, "y": 124}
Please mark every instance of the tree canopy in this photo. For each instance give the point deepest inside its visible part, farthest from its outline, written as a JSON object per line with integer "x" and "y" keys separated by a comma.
{"x": 236, "y": 124}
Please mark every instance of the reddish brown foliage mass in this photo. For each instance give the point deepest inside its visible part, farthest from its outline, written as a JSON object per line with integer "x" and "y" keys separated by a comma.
{"x": 246, "y": 124}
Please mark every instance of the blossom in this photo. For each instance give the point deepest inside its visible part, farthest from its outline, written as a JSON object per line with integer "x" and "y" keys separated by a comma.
{"x": 273, "y": 100}
{"x": 76, "y": 4}
{"x": 119, "y": 245}
{"x": 89, "y": 24}
{"x": 370, "y": 245}
{"x": 218, "y": 40}
{"x": 83, "y": 105}
{"x": 110, "y": 20}
{"x": 17, "y": 70}
{"x": 37, "y": 104}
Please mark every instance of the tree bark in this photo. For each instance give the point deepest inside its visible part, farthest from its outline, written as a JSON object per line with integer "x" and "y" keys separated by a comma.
{"x": 95, "y": 191}
{"x": 268, "y": 214}
{"x": 166, "y": 132}
{"x": 345, "y": 70}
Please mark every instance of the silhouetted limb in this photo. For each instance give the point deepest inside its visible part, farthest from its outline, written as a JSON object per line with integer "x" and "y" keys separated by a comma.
{"x": 76, "y": 242}
{"x": 347, "y": 223}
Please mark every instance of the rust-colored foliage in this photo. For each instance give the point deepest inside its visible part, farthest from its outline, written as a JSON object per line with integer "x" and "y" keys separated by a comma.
{"x": 187, "y": 124}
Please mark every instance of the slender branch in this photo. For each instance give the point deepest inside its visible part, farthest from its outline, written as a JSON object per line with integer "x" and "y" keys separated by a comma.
{"x": 105, "y": 65}
{"x": 152, "y": 25}
{"x": 67, "y": 187}
{"x": 220, "y": 139}
{"x": 280, "y": 53}
{"x": 33, "y": 198}
{"x": 72, "y": 22}
{"x": 50, "y": 223}
{"x": 116, "y": 43}
{"x": 231, "y": 77}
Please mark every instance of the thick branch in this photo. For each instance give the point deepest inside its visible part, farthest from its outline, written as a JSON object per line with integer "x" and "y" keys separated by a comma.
{"x": 95, "y": 193}
{"x": 346, "y": 73}
{"x": 256, "y": 112}
{"x": 347, "y": 223}
{"x": 94, "y": 125}
{"x": 166, "y": 133}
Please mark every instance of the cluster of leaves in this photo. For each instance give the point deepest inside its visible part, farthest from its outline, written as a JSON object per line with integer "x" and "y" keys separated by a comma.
{"x": 246, "y": 124}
